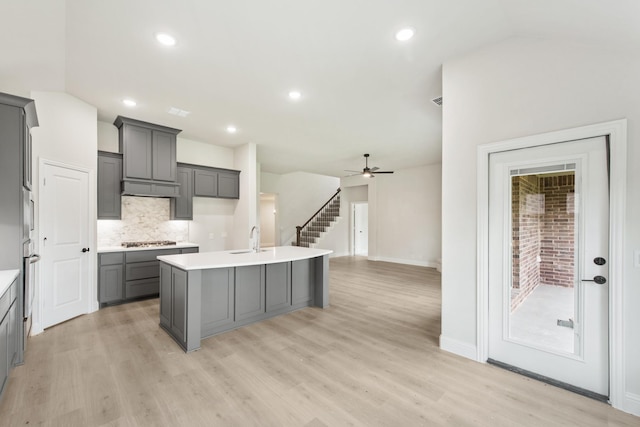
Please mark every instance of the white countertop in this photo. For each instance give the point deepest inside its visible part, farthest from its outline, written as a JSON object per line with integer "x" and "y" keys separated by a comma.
{"x": 241, "y": 257}
{"x": 6, "y": 279}
{"x": 182, "y": 245}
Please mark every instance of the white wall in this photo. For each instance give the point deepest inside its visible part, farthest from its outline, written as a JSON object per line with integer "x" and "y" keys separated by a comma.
{"x": 404, "y": 216}
{"x": 67, "y": 134}
{"x": 246, "y": 210}
{"x": 267, "y": 221}
{"x": 517, "y": 88}
{"x": 300, "y": 195}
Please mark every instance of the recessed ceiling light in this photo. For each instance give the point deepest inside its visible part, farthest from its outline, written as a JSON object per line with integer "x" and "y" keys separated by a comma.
{"x": 129, "y": 102}
{"x": 295, "y": 95}
{"x": 232, "y": 129}
{"x": 166, "y": 39}
{"x": 405, "y": 34}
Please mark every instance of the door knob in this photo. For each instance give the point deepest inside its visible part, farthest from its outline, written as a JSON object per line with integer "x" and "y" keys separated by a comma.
{"x": 600, "y": 280}
{"x": 85, "y": 250}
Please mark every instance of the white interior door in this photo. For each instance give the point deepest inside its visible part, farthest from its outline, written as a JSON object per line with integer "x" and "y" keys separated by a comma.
{"x": 548, "y": 262}
{"x": 361, "y": 228}
{"x": 65, "y": 243}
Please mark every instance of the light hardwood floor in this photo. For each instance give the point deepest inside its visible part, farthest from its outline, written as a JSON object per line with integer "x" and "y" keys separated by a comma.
{"x": 371, "y": 359}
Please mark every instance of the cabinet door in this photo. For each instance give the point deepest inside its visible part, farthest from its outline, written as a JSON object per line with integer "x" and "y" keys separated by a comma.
{"x": 250, "y": 298}
{"x": 137, "y": 148}
{"x": 278, "y": 284}
{"x": 302, "y": 280}
{"x": 179, "y": 308}
{"x": 165, "y": 295}
{"x": 164, "y": 156}
{"x": 189, "y": 250}
{"x": 109, "y": 178}
{"x": 206, "y": 183}
{"x": 217, "y": 300}
{"x": 110, "y": 283}
{"x": 12, "y": 342}
{"x": 182, "y": 206}
{"x": 4, "y": 351}
{"x": 228, "y": 185}
{"x": 27, "y": 148}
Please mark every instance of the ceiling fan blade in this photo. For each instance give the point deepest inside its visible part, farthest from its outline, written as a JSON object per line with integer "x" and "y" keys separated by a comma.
{"x": 348, "y": 170}
{"x": 374, "y": 169}
{"x": 377, "y": 172}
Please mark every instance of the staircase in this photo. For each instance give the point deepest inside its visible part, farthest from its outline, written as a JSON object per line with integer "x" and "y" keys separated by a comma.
{"x": 309, "y": 233}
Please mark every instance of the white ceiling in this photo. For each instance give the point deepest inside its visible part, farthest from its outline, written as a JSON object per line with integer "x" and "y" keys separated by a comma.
{"x": 236, "y": 60}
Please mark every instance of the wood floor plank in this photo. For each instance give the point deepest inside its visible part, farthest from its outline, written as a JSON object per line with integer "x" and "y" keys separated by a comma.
{"x": 370, "y": 359}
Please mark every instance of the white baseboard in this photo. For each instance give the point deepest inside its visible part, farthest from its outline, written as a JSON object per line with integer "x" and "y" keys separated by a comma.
{"x": 631, "y": 404}
{"x": 405, "y": 261}
{"x": 458, "y": 347}
{"x": 338, "y": 254}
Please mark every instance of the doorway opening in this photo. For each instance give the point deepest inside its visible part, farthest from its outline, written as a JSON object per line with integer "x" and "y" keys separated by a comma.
{"x": 360, "y": 229}
{"x": 269, "y": 230}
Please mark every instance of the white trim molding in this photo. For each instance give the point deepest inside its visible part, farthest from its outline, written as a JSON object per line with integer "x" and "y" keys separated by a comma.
{"x": 460, "y": 348}
{"x": 616, "y": 133}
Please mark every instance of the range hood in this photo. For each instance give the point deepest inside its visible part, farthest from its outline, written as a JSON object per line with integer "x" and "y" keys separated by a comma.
{"x": 149, "y": 165}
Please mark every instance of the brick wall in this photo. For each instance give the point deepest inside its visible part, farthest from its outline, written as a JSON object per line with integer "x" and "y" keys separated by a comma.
{"x": 543, "y": 224}
{"x": 558, "y": 229}
{"x": 526, "y": 216}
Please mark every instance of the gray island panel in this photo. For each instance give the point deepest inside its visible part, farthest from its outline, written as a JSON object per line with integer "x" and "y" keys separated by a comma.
{"x": 199, "y": 303}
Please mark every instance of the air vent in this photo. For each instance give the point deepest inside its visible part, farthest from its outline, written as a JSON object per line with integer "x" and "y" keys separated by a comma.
{"x": 437, "y": 101}
{"x": 178, "y": 112}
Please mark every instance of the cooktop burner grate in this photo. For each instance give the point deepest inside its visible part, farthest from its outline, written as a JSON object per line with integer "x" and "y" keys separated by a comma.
{"x": 148, "y": 244}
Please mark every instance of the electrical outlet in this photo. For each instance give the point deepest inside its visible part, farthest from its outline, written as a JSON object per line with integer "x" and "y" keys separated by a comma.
{"x": 636, "y": 259}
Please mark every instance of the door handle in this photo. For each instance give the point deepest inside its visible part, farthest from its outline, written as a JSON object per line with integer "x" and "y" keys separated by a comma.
{"x": 85, "y": 250}
{"x": 600, "y": 280}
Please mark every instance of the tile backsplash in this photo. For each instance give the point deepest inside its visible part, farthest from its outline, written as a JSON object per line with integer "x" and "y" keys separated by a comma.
{"x": 143, "y": 219}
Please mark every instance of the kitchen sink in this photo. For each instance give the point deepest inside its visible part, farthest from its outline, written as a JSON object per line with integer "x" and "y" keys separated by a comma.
{"x": 248, "y": 252}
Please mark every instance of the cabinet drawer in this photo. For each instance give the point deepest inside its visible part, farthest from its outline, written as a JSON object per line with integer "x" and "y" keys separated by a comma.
{"x": 141, "y": 288}
{"x": 149, "y": 255}
{"x": 142, "y": 270}
{"x": 111, "y": 258}
{"x": 189, "y": 251}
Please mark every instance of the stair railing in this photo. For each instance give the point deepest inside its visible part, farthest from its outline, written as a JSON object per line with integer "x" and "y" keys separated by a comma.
{"x": 300, "y": 227}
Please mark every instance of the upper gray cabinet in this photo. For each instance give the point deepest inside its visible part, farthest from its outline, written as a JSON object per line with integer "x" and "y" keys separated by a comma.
{"x": 215, "y": 182}
{"x": 109, "y": 178}
{"x": 182, "y": 206}
{"x": 149, "y": 158}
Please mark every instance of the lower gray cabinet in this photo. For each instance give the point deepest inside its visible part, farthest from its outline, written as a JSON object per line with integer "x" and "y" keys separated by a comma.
{"x": 110, "y": 276}
{"x": 12, "y": 344}
{"x": 302, "y": 281}
{"x": 278, "y": 283}
{"x": 218, "y": 308}
{"x": 179, "y": 307}
{"x": 250, "y": 292}
{"x": 8, "y": 332}
{"x": 4, "y": 352}
{"x": 165, "y": 295}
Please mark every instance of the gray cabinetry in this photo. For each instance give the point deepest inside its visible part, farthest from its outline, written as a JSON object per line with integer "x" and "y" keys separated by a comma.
{"x": 278, "y": 284}
{"x": 165, "y": 295}
{"x": 149, "y": 158}
{"x": 205, "y": 183}
{"x": 8, "y": 332}
{"x": 182, "y": 206}
{"x": 128, "y": 275}
{"x": 229, "y": 184}
{"x": 110, "y": 278}
{"x": 179, "y": 305}
{"x": 109, "y": 185}
{"x": 218, "y": 311}
{"x": 302, "y": 281}
{"x": 250, "y": 292}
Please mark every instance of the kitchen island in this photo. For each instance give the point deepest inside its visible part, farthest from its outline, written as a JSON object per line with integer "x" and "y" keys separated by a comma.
{"x": 204, "y": 294}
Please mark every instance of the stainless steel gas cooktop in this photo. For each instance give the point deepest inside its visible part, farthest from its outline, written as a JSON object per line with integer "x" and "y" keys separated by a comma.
{"x": 148, "y": 244}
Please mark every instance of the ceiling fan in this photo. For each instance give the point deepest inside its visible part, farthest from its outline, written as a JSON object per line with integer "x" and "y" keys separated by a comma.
{"x": 368, "y": 172}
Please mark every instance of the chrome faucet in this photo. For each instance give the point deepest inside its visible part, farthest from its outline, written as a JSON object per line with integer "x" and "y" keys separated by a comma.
{"x": 256, "y": 241}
